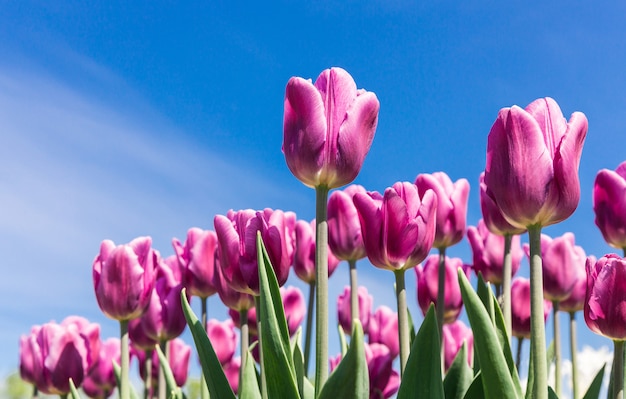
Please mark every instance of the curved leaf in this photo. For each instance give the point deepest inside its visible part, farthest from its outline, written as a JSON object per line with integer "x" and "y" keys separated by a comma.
{"x": 459, "y": 376}
{"x": 174, "y": 390}
{"x": 593, "y": 392}
{"x": 249, "y": 387}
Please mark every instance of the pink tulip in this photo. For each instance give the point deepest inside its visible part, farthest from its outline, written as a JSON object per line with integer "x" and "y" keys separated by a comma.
{"x": 609, "y": 205}
{"x": 231, "y": 369}
{"x": 178, "y": 358}
{"x": 139, "y": 339}
{"x": 492, "y": 216}
{"x": 90, "y": 333}
{"x": 605, "y": 300}
{"x": 427, "y": 286}
{"x": 100, "y": 381}
{"x": 236, "y": 234}
{"x": 123, "y": 278}
{"x": 29, "y": 356}
{"x": 451, "y": 206}
{"x": 164, "y": 319}
{"x": 383, "y": 329}
{"x": 533, "y": 156}
{"x": 304, "y": 256}
{"x": 344, "y": 228}
{"x": 234, "y": 300}
{"x": 398, "y": 228}
{"x": 454, "y": 335}
{"x": 344, "y": 315}
{"x": 576, "y": 299}
{"x": 223, "y": 338}
{"x": 488, "y": 252}
{"x": 252, "y": 322}
{"x": 198, "y": 259}
{"x": 520, "y": 307}
{"x": 561, "y": 261}
{"x": 328, "y": 128}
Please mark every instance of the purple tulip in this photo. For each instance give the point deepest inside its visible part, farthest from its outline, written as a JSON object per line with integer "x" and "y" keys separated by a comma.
{"x": 234, "y": 300}
{"x": 139, "y": 339}
{"x": 454, "y": 335}
{"x": 178, "y": 358}
{"x": 451, "y": 206}
{"x": 231, "y": 369}
{"x": 492, "y": 216}
{"x": 398, "y": 228}
{"x": 520, "y": 307}
{"x": 304, "y": 255}
{"x": 90, "y": 333}
{"x": 561, "y": 261}
{"x": 123, "y": 278}
{"x": 236, "y": 234}
{"x": 344, "y": 228}
{"x": 100, "y": 381}
{"x": 533, "y": 156}
{"x": 383, "y": 329}
{"x": 488, "y": 252}
{"x": 223, "y": 338}
{"x": 609, "y": 205}
{"x": 328, "y": 128}
{"x": 605, "y": 301}
{"x": 29, "y": 356}
{"x": 576, "y": 299}
{"x": 344, "y": 315}
{"x": 427, "y": 286}
{"x": 198, "y": 259}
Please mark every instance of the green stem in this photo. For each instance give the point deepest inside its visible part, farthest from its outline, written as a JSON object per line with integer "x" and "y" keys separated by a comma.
{"x": 518, "y": 355}
{"x": 244, "y": 339}
{"x": 507, "y": 267}
{"x": 321, "y": 295}
{"x": 557, "y": 349}
{"x": 147, "y": 391}
{"x": 573, "y": 353}
{"x": 124, "y": 361}
{"x": 35, "y": 392}
{"x": 618, "y": 370}
{"x": 537, "y": 327}
{"x": 309, "y": 327}
{"x": 63, "y": 396}
{"x": 441, "y": 295}
{"x": 403, "y": 320}
{"x": 257, "y": 304}
{"x": 204, "y": 392}
{"x": 162, "y": 388}
{"x": 354, "y": 291}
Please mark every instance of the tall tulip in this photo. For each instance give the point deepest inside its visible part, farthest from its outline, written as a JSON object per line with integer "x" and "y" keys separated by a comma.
{"x": 328, "y": 128}
{"x": 531, "y": 174}
{"x": 398, "y": 231}
{"x": 609, "y": 205}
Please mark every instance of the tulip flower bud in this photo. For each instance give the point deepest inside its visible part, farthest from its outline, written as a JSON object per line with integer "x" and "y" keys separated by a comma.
{"x": 576, "y": 299}
{"x": 100, "y": 381}
{"x": 197, "y": 257}
{"x": 328, "y": 128}
{"x": 383, "y": 329}
{"x": 304, "y": 256}
{"x": 344, "y": 228}
{"x": 492, "y": 216}
{"x": 231, "y": 369}
{"x": 520, "y": 307}
{"x": 454, "y": 335}
{"x": 223, "y": 338}
{"x": 609, "y": 205}
{"x": 344, "y": 315}
{"x": 605, "y": 300}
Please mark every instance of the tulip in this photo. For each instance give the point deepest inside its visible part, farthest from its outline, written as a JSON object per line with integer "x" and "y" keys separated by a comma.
{"x": 90, "y": 333}
{"x": 304, "y": 255}
{"x": 234, "y": 300}
{"x": 427, "y": 286}
{"x": 223, "y": 338}
{"x": 178, "y": 354}
{"x": 383, "y": 329}
{"x": 231, "y": 369}
{"x": 398, "y": 231}
{"x": 344, "y": 228}
{"x": 520, "y": 307}
{"x": 29, "y": 356}
{"x": 609, "y": 205}
{"x": 100, "y": 381}
{"x": 488, "y": 251}
{"x": 492, "y": 215}
{"x": 197, "y": 257}
{"x": 454, "y": 335}
{"x": 344, "y": 314}
{"x": 138, "y": 337}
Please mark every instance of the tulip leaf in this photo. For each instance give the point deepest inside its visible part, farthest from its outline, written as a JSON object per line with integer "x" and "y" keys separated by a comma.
{"x": 593, "y": 392}
{"x": 249, "y": 386}
{"x": 497, "y": 380}
{"x": 411, "y": 326}
{"x": 73, "y": 391}
{"x": 505, "y": 344}
{"x": 306, "y": 389}
{"x": 342, "y": 340}
{"x": 278, "y": 368}
{"x": 424, "y": 362}
{"x": 350, "y": 380}
{"x": 174, "y": 390}
{"x": 475, "y": 390}
{"x": 485, "y": 294}
{"x": 459, "y": 376}
{"x": 551, "y": 393}
{"x": 214, "y": 376}
{"x": 118, "y": 372}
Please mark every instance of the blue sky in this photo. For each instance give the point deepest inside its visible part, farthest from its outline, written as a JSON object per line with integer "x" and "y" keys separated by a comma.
{"x": 119, "y": 120}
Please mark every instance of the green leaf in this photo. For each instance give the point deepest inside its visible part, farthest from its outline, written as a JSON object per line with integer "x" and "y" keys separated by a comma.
{"x": 118, "y": 372}
{"x": 411, "y": 327}
{"x": 174, "y": 390}
{"x": 593, "y": 392}
{"x": 249, "y": 386}
{"x": 216, "y": 381}
{"x": 505, "y": 344}
{"x": 424, "y": 363}
{"x": 73, "y": 391}
{"x": 475, "y": 390}
{"x": 280, "y": 373}
{"x": 497, "y": 380}
{"x": 459, "y": 376}
{"x": 551, "y": 393}
{"x": 305, "y": 388}
{"x": 485, "y": 294}
{"x": 342, "y": 340}
{"x": 350, "y": 380}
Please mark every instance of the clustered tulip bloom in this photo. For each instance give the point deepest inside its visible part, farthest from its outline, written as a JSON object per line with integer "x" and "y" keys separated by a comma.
{"x": 304, "y": 256}
{"x": 383, "y": 329}
{"x": 488, "y": 250}
{"x": 609, "y": 205}
{"x": 605, "y": 300}
{"x": 398, "y": 227}
{"x": 454, "y": 335}
{"x": 344, "y": 315}
{"x": 328, "y": 128}
{"x": 123, "y": 278}
{"x": 451, "y": 206}
{"x": 533, "y": 156}
{"x": 100, "y": 381}
{"x": 344, "y": 228}
{"x": 236, "y": 234}
{"x": 427, "y": 285}
{"x": 520, "y": 307}
{"x": 197, "y": 257}
{"x": 178, "y": 357}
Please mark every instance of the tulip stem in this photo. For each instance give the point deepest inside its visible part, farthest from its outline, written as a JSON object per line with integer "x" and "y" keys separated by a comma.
{"x": 321, "y": 294}
{"x": 354, "y": 291}
{"x": 243, "y": 323}
{"x": 124, "y": 361}
{"x": 162, "y": 388}
{"x": 572, "y": 346}
{"x": 403, "y": 320}
{"x": 507, "y": 267}
{"x": 518, "y": 355}
{"x": 537, "y": 327}
{"x": 204, "y": 391}
{"x": 147, "y": 391}
{"x": 309, "y": 327}
{"x": 618, "y": 369}
{"x": 441, "y": 294}
{"x": 557, "y": 348}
